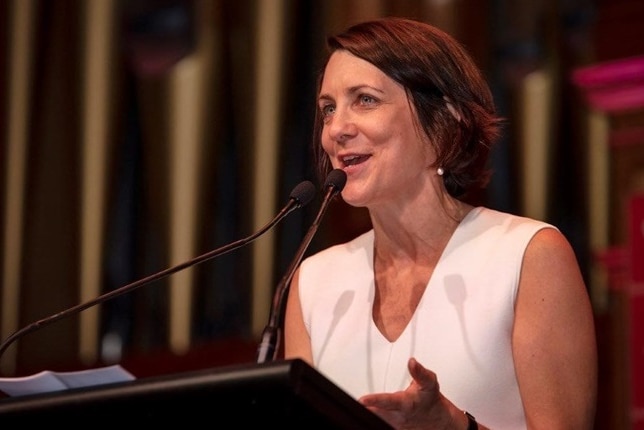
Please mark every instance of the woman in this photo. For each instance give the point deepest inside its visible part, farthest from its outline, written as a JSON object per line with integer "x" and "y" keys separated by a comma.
{"x": 441, "y": 308}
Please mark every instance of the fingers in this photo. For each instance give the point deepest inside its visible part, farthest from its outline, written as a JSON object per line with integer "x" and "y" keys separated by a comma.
{"x": 419, "y": 403}
{"x": 423, "y": 383}
{"x": 387, "y": 401}
{"x": 388, "y": 406}
{"x": 423, "y": 377}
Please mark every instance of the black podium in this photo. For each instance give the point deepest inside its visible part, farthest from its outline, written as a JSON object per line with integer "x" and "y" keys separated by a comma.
{"x": 284, "y": 394}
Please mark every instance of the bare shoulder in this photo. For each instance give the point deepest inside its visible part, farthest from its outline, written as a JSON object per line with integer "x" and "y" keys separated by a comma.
{"x": 553, "y": 305}
{"x": 549, "y": 241}
{"x": 550, "y": 256}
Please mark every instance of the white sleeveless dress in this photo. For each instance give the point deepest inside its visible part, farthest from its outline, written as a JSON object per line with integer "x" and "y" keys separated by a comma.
{"x": 461, "y": 329}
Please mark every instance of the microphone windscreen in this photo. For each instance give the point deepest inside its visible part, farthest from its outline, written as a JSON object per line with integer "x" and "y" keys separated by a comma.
{"x": 303, "y": 193}
{"x": 336, "y": 178}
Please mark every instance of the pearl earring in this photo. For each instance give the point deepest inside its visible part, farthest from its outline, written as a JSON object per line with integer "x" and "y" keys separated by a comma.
{"x": 440, "y": 171}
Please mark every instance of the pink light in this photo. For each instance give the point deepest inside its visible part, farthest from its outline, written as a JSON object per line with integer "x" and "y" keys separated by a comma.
{"x": 613, "y": 86}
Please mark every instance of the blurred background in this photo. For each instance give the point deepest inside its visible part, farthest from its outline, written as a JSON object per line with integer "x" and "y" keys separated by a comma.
{"x": 139, "y": 134}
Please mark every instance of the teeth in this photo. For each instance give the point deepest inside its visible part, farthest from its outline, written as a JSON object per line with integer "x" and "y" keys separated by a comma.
{"x": 352, "y": 159}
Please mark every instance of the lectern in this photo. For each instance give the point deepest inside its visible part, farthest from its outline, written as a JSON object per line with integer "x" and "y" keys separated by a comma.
{"x": 287, "y": 394}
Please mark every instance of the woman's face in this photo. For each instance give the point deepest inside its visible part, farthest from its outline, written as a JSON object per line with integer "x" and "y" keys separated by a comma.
{"x": 369, "y": 131}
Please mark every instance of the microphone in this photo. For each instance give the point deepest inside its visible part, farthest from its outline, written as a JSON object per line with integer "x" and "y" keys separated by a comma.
{"x": 271, "y": 336}
{"x": 300, "y": 196}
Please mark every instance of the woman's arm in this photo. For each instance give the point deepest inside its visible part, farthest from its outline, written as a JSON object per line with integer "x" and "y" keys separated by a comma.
{"x": 553, "y": 340}
{"x": 297, "y": 343}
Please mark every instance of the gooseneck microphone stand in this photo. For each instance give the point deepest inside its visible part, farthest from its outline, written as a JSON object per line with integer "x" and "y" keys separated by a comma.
{"x": 272, "y": 336}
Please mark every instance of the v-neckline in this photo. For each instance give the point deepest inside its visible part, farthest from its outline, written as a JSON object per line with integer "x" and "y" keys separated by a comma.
{"x": 445, "y": 251}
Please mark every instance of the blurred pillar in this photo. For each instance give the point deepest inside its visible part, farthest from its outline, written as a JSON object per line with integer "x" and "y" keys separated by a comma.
{"x": 100, "y": 19}
{"x": 268, "y": 83}
{"x": 20, "y": 62}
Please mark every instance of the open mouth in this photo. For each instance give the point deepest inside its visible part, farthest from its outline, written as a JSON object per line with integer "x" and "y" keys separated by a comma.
{"x": 353, "y": 160}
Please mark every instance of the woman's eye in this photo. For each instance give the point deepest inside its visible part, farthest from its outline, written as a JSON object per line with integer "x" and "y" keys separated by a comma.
{"x": 366, "y": 99}
{"x": 327, "y": 110}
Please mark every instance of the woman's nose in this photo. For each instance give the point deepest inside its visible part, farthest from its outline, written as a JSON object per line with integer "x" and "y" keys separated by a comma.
{"x": 341, "y": 126}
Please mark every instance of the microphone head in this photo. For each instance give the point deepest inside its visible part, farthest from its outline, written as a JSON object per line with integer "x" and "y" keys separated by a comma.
{"x": 303, "y": 193}
{"x": 337, "y": 179}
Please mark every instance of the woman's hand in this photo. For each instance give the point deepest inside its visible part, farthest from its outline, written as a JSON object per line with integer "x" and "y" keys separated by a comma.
{"x": 420, "y": 406}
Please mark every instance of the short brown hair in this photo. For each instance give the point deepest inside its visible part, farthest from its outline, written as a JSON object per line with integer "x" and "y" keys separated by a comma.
{"x": 433, "y": 68}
